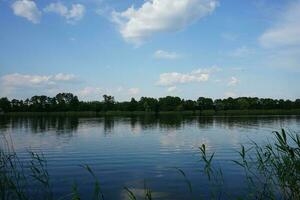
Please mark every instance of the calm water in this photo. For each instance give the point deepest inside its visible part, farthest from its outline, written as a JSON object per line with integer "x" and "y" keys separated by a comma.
{"x": 127, "y": 151}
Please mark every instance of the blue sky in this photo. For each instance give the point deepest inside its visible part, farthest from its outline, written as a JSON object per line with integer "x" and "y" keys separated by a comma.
{"x": 186, "y": 48}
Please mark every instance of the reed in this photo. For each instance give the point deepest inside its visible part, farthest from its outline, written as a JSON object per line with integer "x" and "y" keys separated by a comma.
{"x": 272, "y": 171}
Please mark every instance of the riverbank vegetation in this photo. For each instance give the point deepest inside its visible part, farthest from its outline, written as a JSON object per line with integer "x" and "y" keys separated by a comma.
{"x": 66, "y": 102}
{"x": 271, "y": 171}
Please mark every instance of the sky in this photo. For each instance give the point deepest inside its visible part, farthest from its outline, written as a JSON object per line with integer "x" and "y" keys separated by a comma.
{"x": 185, "y": 48}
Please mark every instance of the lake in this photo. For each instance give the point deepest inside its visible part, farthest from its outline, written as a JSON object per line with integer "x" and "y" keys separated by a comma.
{"x": 132, "y": 151}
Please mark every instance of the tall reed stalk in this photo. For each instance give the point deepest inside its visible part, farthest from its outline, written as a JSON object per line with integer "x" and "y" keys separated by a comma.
{"x": 271, "y": 171}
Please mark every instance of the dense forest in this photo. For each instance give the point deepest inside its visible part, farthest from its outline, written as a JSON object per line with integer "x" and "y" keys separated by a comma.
{"x": 70, "y": 102}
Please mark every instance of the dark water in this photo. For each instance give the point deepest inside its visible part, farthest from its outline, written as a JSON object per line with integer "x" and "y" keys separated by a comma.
{"x": 129, "y": 151}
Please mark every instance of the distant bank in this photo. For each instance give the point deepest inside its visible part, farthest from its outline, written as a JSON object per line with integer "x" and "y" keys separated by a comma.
{"x": 128, "y": 113}
{"x": 69, "y": 104}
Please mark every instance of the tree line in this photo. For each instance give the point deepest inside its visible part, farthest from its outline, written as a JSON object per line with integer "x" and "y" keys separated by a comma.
{"x": 69, "y": 102}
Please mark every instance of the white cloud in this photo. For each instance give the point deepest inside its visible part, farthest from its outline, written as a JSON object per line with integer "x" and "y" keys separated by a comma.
{"x": 172, "y": 89}
{"x": 209, "y": 70}
{"x": 75, "y": 13}
{"x": 27, "y": 9}
{"x": 23, "y": 80}
{"x": 286, "y": 31}
{"x": 233, "y": 81}
{"x": 172, "y": 78}
{"x": 161, "y": 54}
{"x": 281, "y": 41}
{"x": 156, "y": 16}
{"x": 199, "y": 75}
{"x": 133, "y": 91}
{"x": 64, "y": 77}
{"x": 17, "y": 85}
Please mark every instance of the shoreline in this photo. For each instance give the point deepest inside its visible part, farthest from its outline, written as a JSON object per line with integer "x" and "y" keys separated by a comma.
{"x": 130, "y": 113}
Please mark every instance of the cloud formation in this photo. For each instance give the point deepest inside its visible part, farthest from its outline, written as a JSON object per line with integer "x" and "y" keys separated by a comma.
{"x": 73, "y": 14}
{"x": 172, "y": 89}
{"x": 173, "y": 78}
{"x": 156, "y": 16}
{"x": 27, "y": 9}
{"x": 281, "y": 41}
{"x": 23, "y": 80}
{"x": 286, "y": 31}
{"x": 161, "y": 54}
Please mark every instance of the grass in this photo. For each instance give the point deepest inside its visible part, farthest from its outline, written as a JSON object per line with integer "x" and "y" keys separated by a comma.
{"x": 271, "y": 171}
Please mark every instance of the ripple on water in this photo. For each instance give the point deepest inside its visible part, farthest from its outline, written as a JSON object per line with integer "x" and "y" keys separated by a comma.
{"x": 126, "y": 151}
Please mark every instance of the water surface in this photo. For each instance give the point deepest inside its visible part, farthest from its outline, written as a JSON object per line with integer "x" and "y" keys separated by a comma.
{"x": 129, "y": 151}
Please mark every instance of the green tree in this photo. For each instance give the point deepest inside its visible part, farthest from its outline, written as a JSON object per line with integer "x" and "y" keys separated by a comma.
{"x": 5, "y": 104}
{"x": 133, "y": 105}
{"x": 297, "y": 103}
{"x": 189, "y": 105}
{"x": 148, "y": 104}
{"x": 219, "y": 104}
{"x": 109, "y": 102}
{"x": 205, "y": 103}
{"x": 243, "y": 103}
{"x": 169, "y": 103}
